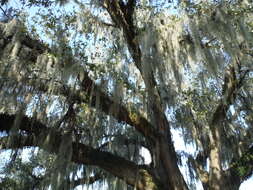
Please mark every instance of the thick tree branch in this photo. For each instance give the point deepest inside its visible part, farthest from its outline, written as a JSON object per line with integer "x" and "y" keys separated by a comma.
{"x": 86, "y": 94}
{"x": 132, "y": 118}
{"x": 37, "y": 134}
{"x": 229, "y": 92}
{"x": 202, "y": 174}
{"x": 231, "y": 86}
{"x": 122, "y": 16}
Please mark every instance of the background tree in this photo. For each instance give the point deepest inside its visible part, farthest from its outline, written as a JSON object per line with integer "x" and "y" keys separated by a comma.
{"x": 114, "y": 77}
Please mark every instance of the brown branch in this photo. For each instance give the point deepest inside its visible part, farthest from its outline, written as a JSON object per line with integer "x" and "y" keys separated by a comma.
{"x": 87, "y": 93}
{"x": 122, "y": 16}
{"x": 132, "y": 117}
{"x": 229, "y": 92}
{"x": 37, "y": 133}
{"x": 202, "y": 174}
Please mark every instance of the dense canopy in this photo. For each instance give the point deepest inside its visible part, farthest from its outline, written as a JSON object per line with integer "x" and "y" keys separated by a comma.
{"x": 87, "y": 86}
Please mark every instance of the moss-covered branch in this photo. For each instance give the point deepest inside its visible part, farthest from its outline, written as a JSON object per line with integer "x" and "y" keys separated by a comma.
{"x": 230, "y": 89}
{"x": 88, "y": 89}
{"x": 36, "y": 134}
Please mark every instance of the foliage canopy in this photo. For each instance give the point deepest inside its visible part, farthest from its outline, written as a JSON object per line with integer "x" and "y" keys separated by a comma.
{"x": 88, "y": 85}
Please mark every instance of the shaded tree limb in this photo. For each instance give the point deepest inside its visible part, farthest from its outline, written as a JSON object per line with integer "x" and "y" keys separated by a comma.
{"x": 88, "y": 89}
{"x": 37, "y": 133}
{"x": 230, "y": 89}
{"x": 202, "y": 174}
{"x": 122, "y": 15}
{"x": 229, "y": 92}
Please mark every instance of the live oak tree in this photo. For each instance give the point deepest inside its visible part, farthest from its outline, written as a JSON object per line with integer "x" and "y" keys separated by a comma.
{"x": 114, "y": 77}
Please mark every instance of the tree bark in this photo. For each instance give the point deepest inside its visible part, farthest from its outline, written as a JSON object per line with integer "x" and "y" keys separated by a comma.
{"x": 139, "y": 176}
{"x": 163, "y": 150}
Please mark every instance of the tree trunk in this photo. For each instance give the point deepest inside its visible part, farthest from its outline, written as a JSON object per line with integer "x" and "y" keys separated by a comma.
{"x": 175, "y": 180}
{"x": 215, "y": 176}
{"x": 165, "y": 154}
